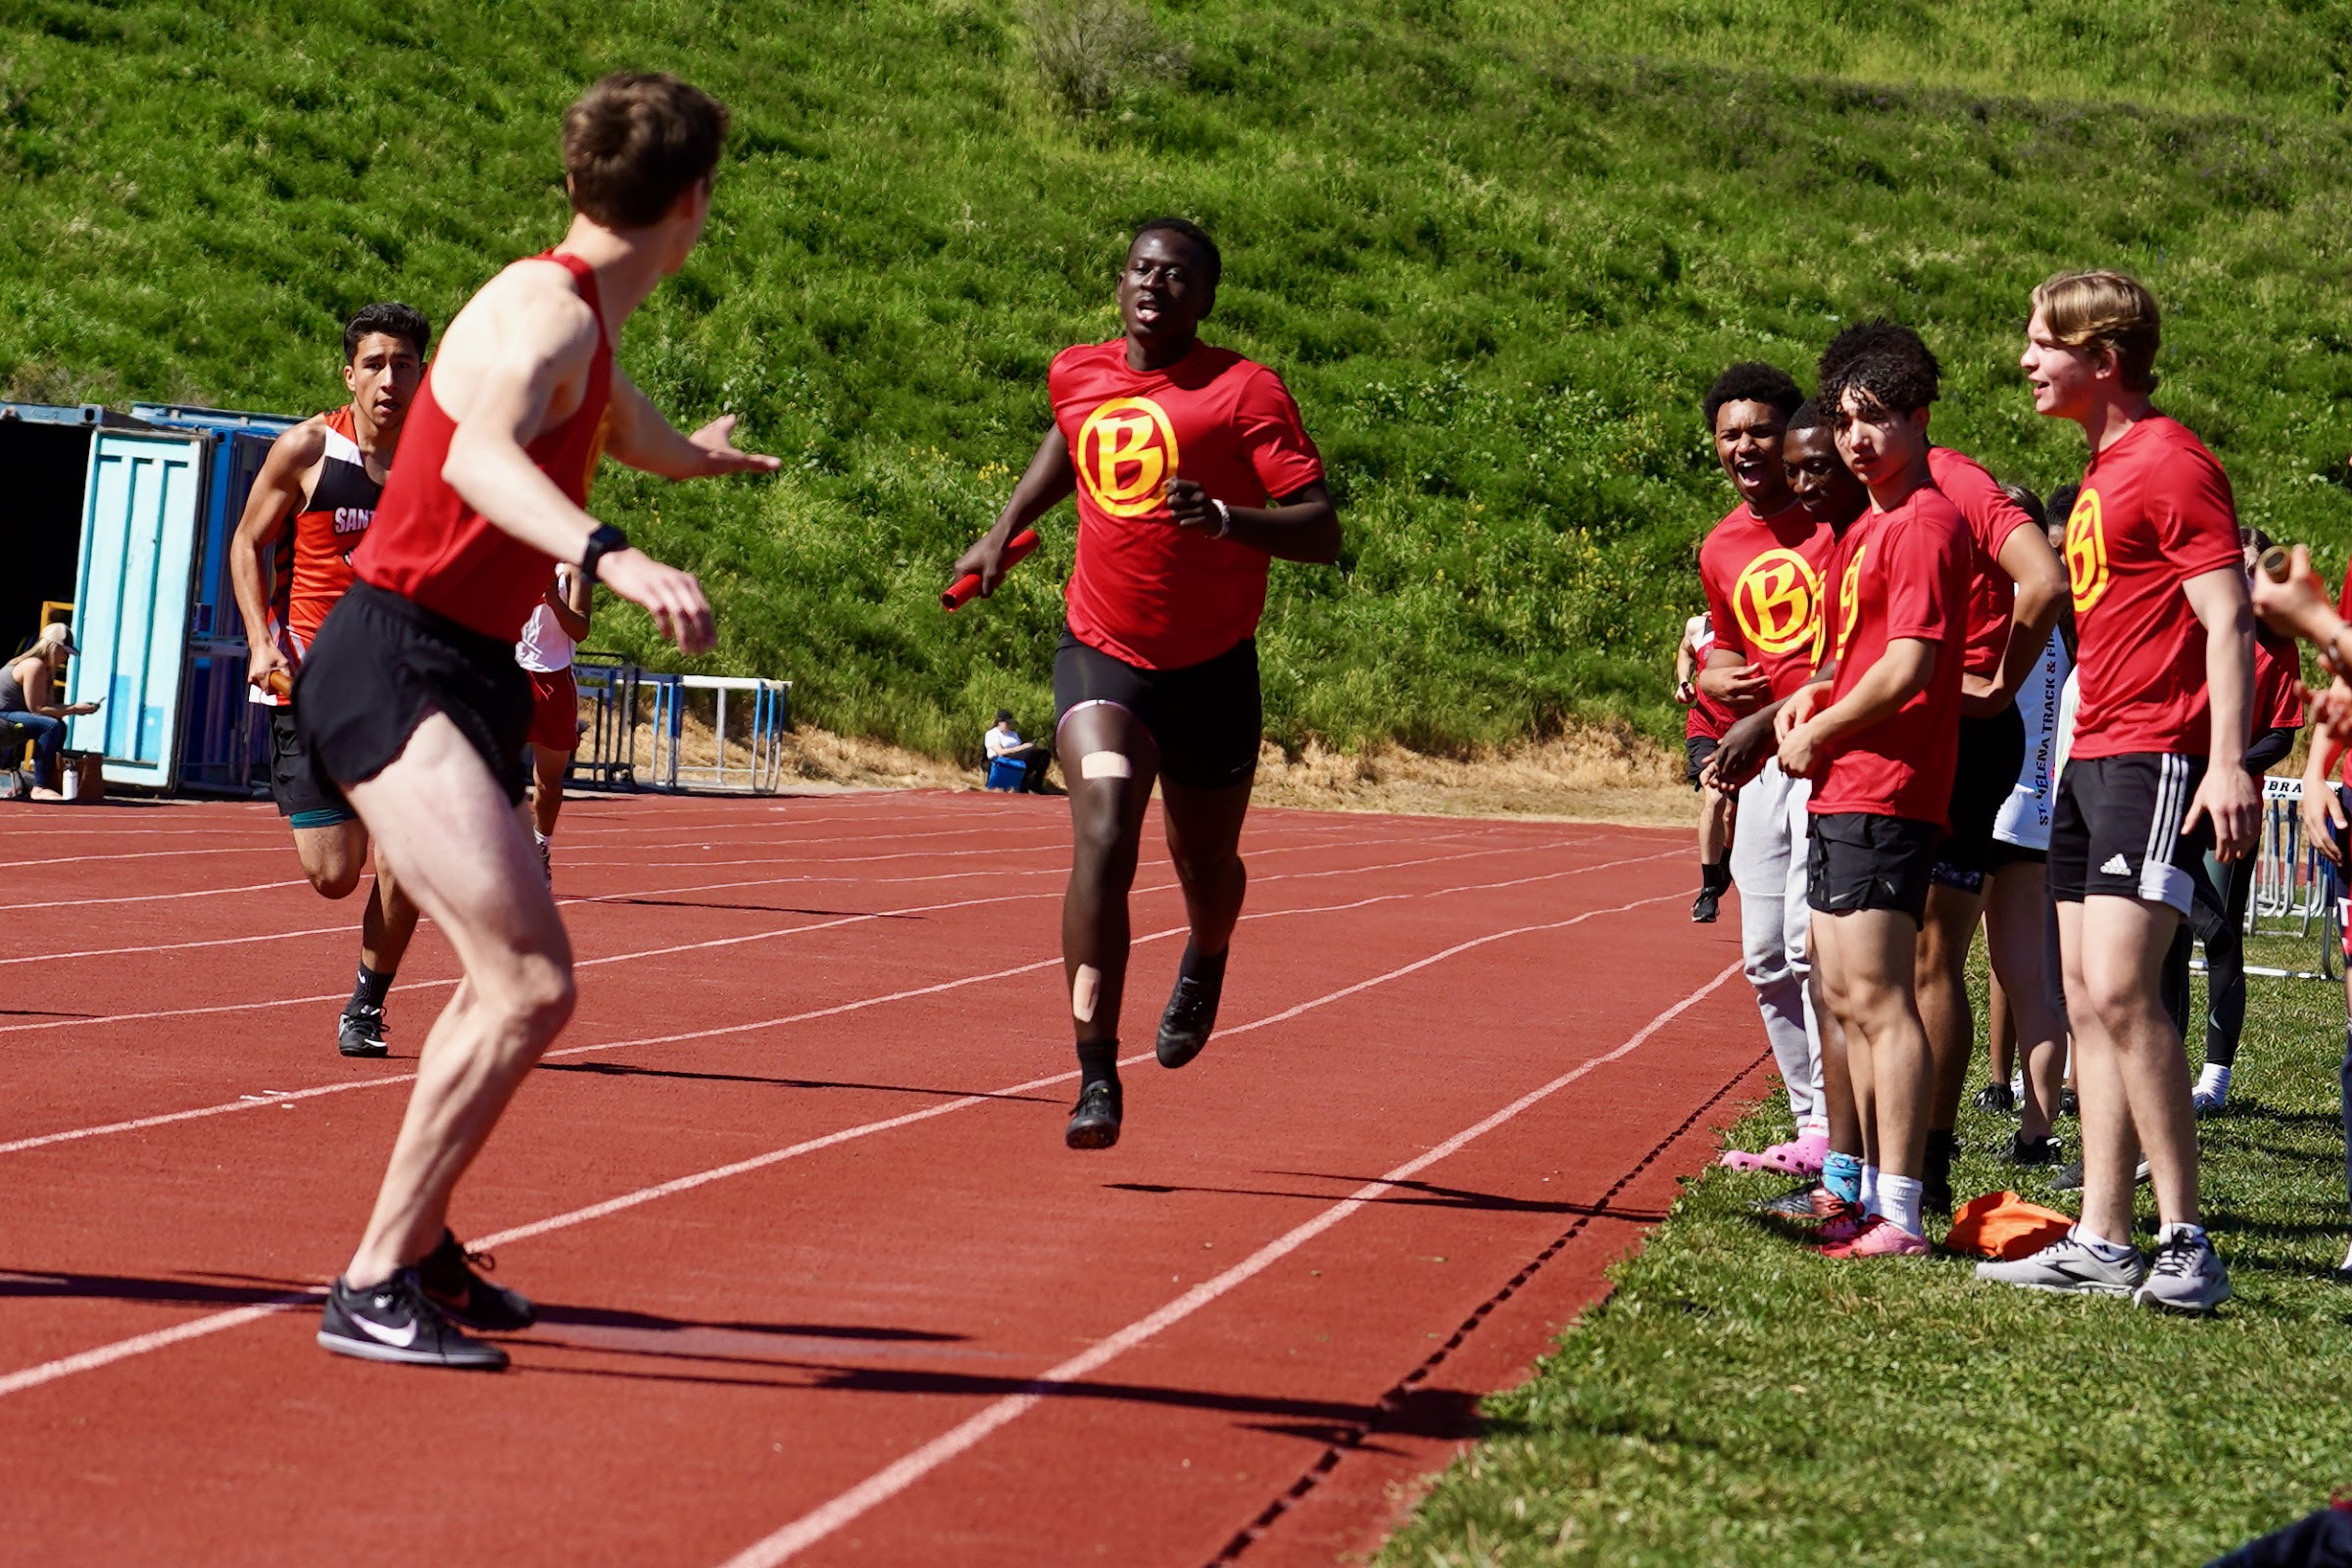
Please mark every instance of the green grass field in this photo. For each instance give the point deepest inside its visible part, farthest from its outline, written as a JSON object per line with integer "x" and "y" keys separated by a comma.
{"x": 1498, "y": 249}
{"x": 1738, "y": 1401}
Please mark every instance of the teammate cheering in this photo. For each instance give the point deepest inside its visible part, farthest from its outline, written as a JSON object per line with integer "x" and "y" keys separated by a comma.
{"x": 2163, "y": 639}
{"x": 1192, "y": 470}
{"x": 1880, "y": 741}
{"x": 2015, "y": 589}
{"x": 1761, "y": 568}
{"x": 309, "y": 508}
{"x": 411, "y": 700}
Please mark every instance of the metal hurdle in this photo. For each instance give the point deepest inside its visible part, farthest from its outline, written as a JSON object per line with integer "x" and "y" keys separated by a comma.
{"x": 2294, "y": 887}
{"x": 627, "y": 706}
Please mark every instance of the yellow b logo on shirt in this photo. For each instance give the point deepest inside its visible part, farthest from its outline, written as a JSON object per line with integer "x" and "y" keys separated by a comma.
{"x": 1849, "y": 599}
{"x": 1126, "y": 452}
{"x": 2087, "y": 551}
{"x": 1774, "y": 600}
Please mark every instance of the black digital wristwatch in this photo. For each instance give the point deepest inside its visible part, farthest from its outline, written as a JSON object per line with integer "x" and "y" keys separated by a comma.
{"x": 601, "y": 544}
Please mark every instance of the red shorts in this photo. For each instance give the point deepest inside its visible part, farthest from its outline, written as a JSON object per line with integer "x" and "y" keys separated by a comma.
{"x": 555, "y": 712}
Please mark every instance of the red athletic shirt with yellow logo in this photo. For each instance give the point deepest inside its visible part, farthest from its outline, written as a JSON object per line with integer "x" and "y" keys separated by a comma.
{"x": 2155, "y": 510}
{"x": 1763, "y": 577}
{"x": 1146, "y": 591}
{"x": 1901, "y": 574}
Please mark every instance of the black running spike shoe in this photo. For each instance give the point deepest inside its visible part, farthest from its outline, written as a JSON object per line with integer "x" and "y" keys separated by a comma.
{"x": 447, "y": 1275}
{"x": 1095, "y": 1124}
{"x": 1704, "y": 908}
{"x": 396, "y": 1321}
{"x": 1192, "y": 1012}
{"x": 361, "y": 1033}
{"x": 1996, "y": 1097}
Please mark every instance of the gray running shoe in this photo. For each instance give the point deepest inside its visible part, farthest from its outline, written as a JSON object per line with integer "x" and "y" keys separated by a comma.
{"x": 2188, "y": 1277}
{"x": 2068, "y": 1266}
{"x": 2070, "y": 1179}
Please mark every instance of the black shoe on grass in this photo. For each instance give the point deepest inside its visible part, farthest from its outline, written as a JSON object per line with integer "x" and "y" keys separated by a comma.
{"x": 396, "y": 1321}
{"x": 2024, "y": 1150}
{"x": 2068, "y": 1105}
{"x": 447, "y": 1275}
{"x": 1192, "y": 1010}
{"x": 361, "y": 1032}
{"x": 1095, "y": 1124}
{"x": 1996, "y": 1097}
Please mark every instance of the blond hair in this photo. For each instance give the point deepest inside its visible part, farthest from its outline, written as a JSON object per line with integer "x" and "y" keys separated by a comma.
{"x": 2105, "y": 310}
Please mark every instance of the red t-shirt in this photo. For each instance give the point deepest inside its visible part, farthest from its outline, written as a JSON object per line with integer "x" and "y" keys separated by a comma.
{"x": 1144, "y": 590}
{"x": 2278, "y": 681}
{"x": 1707, "y": 718}
{"x": 2155, "y": 510}
{"x": 1991, "y": 517}
{"x": 426, "y": 543}
{"x": 1763, "y": 577}
{"x": 1901, "y": 574}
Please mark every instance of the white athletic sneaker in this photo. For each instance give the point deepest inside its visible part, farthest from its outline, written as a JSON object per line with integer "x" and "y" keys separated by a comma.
{"x": 2069, "y": 1266}
{"x": 2188, "y": 1277}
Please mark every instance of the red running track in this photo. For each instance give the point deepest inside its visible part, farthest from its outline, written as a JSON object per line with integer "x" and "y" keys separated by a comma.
{"x": 818, "y": 1282}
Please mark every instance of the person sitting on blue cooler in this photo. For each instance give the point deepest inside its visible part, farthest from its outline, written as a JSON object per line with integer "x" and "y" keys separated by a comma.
{"x": 28, "y": 709}
{"x": 1013, "y": 763}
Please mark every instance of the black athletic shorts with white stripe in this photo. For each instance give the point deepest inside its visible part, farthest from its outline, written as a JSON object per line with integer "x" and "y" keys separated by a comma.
{"x": 2116, "y": 829}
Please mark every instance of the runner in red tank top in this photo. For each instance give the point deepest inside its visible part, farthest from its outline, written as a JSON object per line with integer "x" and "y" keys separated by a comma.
{"x": 410, "y": 699}
{"x": 1192, "y": 470}
{"x": 1703, "y": 733}
{"x": 309, "y": 508}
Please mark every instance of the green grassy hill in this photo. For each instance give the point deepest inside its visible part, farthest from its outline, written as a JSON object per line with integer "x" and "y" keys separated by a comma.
{"x": 1498, "y": 249}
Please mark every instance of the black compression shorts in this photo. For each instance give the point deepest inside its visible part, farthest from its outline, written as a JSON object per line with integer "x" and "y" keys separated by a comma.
{"x": 304, "y": 797}
{"x": 382, "y": 663}
{"x": 1992, "y": 753}
{"x": 1205, "y": 717}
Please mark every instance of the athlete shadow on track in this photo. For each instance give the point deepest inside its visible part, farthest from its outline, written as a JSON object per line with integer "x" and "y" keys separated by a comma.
{"x": 558, "y": 1314}
{"x": 232, "y": 1289}
{"x": 757, "y": 908}
{"x": 41, "y": 1012}
{"x": 1423, "y": 1194}
{"x": 616, "y": 1069}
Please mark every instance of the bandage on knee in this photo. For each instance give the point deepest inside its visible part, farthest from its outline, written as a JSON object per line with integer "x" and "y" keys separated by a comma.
{"x": 1084, "y": 989}
{"x": 1105, "y": 765}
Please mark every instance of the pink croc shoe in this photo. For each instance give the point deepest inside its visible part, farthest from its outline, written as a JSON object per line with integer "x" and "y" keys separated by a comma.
{"x": 1883, "y": 1238}
{"x": 1742, "y": 1159}
{"x": 1799, "y": 1156}
{"x": 1839, "y": 1227}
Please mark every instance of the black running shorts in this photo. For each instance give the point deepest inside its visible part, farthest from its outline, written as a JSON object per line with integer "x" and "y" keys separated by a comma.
{"x": 2116, "y": 829}
{"x": 381, "y": 664}
{"x": 1859, "y": 860}
{"x": 1992, "y": 753}
{"x": 1696, "y": 749}
{"x": 303, "y": 797}
{"x": 1205, "y": 717}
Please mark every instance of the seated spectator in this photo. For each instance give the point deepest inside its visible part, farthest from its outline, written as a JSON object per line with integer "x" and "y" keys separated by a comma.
{"x": 27, "y": 685}
{"x": 1014, "y": 763}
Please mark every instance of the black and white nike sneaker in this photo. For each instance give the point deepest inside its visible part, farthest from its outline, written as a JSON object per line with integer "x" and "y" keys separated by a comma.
{"x": 361, "y": 1032}
{"x": 396, "y": 1321}
{"x": 1192, "y": 1012}
{"x": 450, "y": 1277}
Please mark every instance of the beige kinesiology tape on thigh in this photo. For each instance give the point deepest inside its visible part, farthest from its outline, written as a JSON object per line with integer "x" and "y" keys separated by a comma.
{"x": 1105, "y": 765}
{"x": 1083, "y": 991}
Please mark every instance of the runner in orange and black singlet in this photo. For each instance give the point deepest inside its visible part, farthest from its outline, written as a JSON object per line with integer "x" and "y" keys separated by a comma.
{"x": 309, "y": 507}
{"x": 1191, "y": 471}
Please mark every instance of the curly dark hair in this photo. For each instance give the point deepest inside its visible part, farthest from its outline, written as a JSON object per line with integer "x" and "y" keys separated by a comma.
{"x": 1880, "y": 339}
{"x": 1884, "y": 382}
{"x": 1752, "y": 381}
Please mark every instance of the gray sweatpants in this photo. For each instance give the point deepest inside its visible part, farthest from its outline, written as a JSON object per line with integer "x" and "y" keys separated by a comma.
{"x": 1768, "y": 866}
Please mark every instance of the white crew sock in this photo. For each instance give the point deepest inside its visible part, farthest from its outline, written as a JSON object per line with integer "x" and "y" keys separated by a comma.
{"x": 2214, "y": 1080}
{"x": 2017, "y": 1083}
{"x": 1870, "y": 1190}
{"x": 2097, "y": 1243}
{"x": 2179, "y": 1232}
{"x": 1898, "y": 1201}
{"x": 2345, "y": 1267}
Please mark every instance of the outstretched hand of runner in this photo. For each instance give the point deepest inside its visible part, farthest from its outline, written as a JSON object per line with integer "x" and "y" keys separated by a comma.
{"x": 2230, "y": 798}
{"x": 717, "y": 443}
{"x": 672, "y": 597}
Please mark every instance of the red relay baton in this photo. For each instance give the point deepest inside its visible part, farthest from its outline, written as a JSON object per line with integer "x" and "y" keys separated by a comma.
{"x": 966, "y": 588}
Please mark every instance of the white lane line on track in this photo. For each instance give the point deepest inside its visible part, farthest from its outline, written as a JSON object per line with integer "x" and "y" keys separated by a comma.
{"x": 886, "y": 1483}
{"x": 794, "y": 880}
{"x": 124, "y": 1349}
{"x": 290, "y": 1096}
{"x": 413, "y": 986}
{"x": 152, "y": 898}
